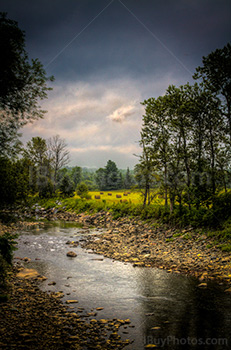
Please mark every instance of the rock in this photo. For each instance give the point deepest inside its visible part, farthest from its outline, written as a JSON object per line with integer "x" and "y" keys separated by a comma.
{"x": 52, "y": 283}
{"x": 58, "y": 295}
{"x": 202, "y": 285}
{"x": 28, "y": 273}
{"x": 71, "y": 254}
{"x": 26, "y": 259}
{"x": 127, "y": 321}
{"x": 71, "y": 301}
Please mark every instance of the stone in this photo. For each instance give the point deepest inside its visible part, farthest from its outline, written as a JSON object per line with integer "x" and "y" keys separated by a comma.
{"x": 71, "y": 254}
{"x": 202, "y": 285}
{"x": 28, "y": 273}
{"x": 71, "y": 301}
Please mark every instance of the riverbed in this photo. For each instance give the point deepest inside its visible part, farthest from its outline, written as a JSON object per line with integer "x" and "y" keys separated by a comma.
{"x": 165, "y": 309}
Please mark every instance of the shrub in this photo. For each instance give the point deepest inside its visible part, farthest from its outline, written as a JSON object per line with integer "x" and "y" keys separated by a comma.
{"x": 66, "y": 186}
{"x": 7, "y": 246}
{"x": 82, "y": 191}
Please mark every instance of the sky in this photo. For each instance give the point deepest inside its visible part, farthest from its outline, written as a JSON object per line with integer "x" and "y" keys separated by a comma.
{"x": 108, "y": 56}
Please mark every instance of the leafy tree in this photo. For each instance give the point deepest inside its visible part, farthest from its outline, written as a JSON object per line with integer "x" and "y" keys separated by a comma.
{"x": 112, "y": 176}
{"x": 145, "y": 175}
{"x": 66, "y": 186}
{"x": 128, "y": 179}
{"x": 88, "y": 177}
{"x": 183, "y": 139}
{"x": 216, "y": 76}
{"x": 100, "y": 179}
{"x": 82, "y": 190}
{"x": 45, "y": 186}
{"x": 41, "y": 178}
{"x": 22, "y": 83}
{"x": 155, "y": 141}
{"x": 14, "y": 181}
{"x": 36, "y": 151}
{"x": 109, "y": 177}
{"x": 76, "y": 175}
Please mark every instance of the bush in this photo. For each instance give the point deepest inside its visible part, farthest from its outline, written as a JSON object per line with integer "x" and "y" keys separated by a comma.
{"x": 7, "y": 246}
{"x": 82, "y": 191}
{"x": 46, "y": 187}
{"x": 66, "y": 186}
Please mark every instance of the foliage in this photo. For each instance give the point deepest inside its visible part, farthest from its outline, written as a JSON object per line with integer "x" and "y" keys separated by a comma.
{"x": 108, "y": 178}
{"x": 82, "y": 191}
{"x": 66, "y": 186}
{"x": 14, "y": 181}
{"x": 22, "y": 84}
{"x": 7, "y": 246}
{"x": 76, "y": 175}
{"x": 183, "y": 138}
{"x": 216, "y": 76}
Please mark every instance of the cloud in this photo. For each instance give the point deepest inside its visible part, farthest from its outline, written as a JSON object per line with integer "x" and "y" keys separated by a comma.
{"x": 100, "y": 119}
{"x": 121, "y": 113}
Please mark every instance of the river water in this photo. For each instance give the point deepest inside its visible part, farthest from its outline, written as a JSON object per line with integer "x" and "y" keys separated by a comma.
{"x": 168, "y": 310}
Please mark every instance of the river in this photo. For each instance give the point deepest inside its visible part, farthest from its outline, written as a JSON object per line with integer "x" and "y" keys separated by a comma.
{"x": 165, "y": 309}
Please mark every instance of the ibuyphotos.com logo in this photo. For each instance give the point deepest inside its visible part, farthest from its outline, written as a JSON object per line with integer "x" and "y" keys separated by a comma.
{"x": 174, "y": 341}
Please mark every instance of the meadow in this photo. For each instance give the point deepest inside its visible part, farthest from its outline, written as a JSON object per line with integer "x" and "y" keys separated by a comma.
{"x": 121, "y": 196}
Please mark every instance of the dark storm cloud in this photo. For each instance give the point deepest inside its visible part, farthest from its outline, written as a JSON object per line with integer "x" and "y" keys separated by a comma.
{"x": 116, "y": 40}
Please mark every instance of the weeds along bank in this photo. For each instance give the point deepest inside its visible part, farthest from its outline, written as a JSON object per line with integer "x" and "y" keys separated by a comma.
{"x": 214, "y": 221}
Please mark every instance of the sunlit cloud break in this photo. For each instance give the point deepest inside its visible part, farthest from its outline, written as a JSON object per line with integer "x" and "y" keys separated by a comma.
{"x": 120, "y": 114}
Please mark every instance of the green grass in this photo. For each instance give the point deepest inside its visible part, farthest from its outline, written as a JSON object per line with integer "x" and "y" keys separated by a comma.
{"x": 216, "y": 220}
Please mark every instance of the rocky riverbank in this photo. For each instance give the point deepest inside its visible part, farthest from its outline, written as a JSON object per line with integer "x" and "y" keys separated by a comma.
{"x": 151, "y": 245}
{"x": 32, "y": 319}
{"x": 147, "y": 244}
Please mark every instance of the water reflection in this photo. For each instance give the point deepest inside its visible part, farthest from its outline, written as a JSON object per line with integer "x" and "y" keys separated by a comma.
{"x": 165, "y": 308}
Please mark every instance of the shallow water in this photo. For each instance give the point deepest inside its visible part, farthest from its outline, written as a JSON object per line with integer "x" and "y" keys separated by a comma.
{"x": 168, "y": 310}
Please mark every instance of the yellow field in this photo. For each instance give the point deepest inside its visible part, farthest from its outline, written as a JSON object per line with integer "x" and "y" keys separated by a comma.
{"x": 116, "y": 196}
{"x": 120, "y": 195}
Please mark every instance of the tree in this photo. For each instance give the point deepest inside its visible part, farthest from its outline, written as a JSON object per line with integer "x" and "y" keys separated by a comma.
{"x": 40, "y": 166}
{"x": 100, "y": 179}
{"x": 155, "y": 140}
{"x": 216, "y": 76}
{"x": 144, "y": 173}
{"x": 112, "y": 176}
{"x": 76, "y": 175}
{"x": 58, "y": 154}
{"x": 182, "y": 134}
{"x": 22, "y": 83}
{"x": 36, "y": 151}
{"x": 66, "y": 186}
{"x": 14, "y": 181}
{"x": 82, "y": 191}
{"x": 128, "y": 180}
{"x": 109, "y": 177}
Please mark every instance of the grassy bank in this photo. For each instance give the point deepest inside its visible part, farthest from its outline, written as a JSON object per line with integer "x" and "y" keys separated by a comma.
{"x": 214, "y": 220}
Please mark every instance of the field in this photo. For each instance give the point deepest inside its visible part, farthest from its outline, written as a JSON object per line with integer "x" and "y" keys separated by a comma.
{"x": 120, "y": 196}
{"x": 116, "y": 196}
